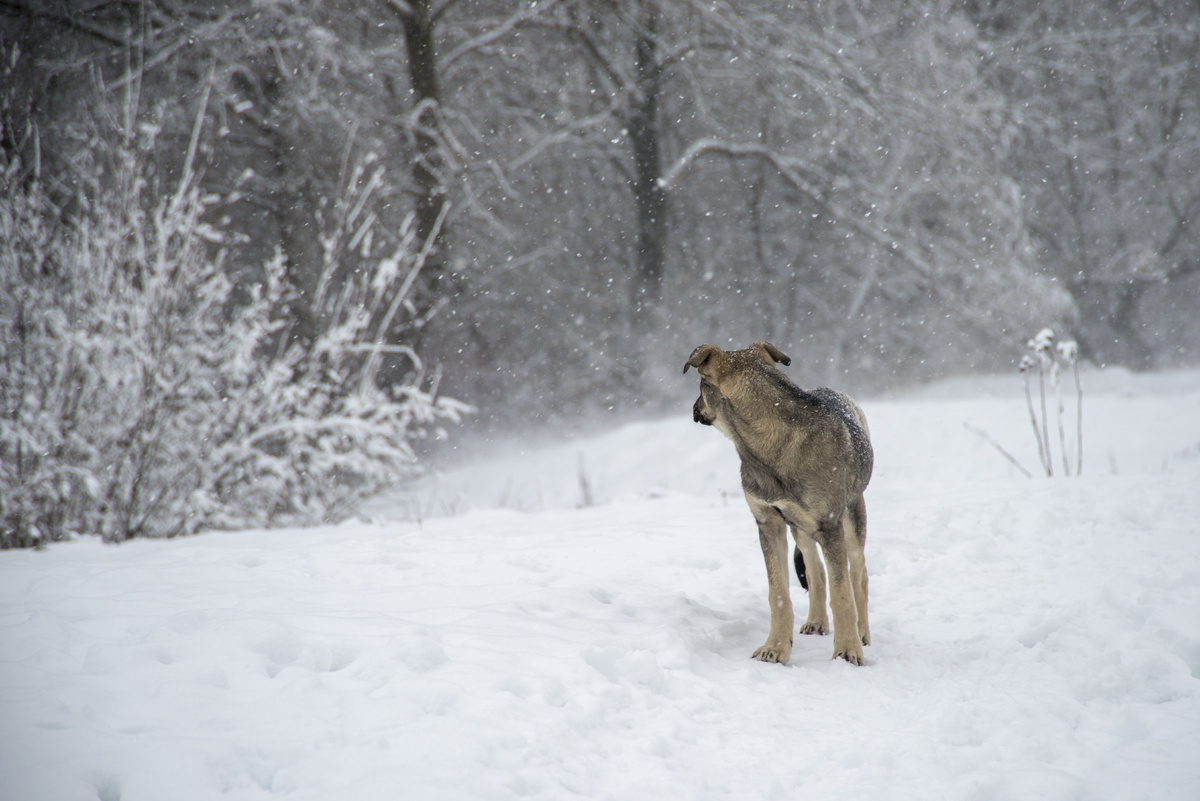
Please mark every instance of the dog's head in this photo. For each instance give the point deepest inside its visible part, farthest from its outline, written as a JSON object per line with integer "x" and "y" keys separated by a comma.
{"x": 718, "y": 367}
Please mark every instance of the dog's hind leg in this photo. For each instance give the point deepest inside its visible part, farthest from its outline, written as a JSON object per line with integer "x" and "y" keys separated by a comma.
{"x": 854, "y": 523}
{"x": 772, "y": 535}
{"x": 846, "y": 641}
{"x": 818, "y": 617}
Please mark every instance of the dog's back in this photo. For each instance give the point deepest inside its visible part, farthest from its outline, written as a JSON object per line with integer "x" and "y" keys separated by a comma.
{"x": 795, "y": 442}
{"x": 845, "y": 409}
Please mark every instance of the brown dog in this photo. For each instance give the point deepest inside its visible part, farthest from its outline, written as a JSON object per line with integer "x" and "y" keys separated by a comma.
{"x": 806, "y": 459}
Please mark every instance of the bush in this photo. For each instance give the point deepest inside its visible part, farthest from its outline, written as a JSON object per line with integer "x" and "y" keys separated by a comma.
{"x": 138, "y": 399}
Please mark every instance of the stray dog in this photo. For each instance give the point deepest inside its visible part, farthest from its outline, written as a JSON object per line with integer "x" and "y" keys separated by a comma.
{"x": 806, "y": 459}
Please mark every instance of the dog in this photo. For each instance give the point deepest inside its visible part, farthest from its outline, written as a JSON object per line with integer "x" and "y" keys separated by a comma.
{"x": 806, "y": 460}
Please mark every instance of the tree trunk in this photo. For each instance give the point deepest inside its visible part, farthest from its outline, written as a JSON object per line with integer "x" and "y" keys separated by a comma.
{"x": 650, "y": 198}
{"x": 429, "y": 164}
{"x": 429, "y": 180}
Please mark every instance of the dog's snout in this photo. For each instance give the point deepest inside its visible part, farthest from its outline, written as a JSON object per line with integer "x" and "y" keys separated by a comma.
{"x": 698, "y": 414}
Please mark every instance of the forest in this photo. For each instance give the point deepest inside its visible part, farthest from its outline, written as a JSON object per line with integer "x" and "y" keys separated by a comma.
{"x": 259, "y": 257}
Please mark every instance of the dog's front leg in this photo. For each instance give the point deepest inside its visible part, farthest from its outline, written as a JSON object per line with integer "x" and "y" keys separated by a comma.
{"x": 772, "y": 536}
{"x": 846, "y": 642}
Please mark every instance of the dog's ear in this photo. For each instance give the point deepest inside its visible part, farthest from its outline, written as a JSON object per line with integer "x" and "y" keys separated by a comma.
{"x": 699, "y": 356}
{"x": 772, "y": 353}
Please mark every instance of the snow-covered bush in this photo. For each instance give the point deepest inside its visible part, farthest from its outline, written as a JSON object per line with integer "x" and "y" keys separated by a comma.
{"x": 138, "y": 398}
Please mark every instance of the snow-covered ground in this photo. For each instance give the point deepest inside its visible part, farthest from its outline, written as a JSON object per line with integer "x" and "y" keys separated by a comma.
{"x": 576, "y": 621}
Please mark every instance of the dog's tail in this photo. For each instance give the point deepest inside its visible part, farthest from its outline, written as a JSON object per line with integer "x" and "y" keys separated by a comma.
{"x": 801, "y": 573}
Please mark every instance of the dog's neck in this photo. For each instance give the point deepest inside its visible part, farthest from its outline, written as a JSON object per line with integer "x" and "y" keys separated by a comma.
{"x": 792, "y": 404}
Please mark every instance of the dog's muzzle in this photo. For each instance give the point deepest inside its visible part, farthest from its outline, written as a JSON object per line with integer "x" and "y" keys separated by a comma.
{"x": 699, "y": 416}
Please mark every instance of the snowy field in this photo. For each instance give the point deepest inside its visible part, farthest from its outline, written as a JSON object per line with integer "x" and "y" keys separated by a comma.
{"x": 575, "y": 620}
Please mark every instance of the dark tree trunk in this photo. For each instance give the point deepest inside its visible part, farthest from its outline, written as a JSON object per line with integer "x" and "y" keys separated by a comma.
{"x": 429, "y": 165}
{"x": 429, "y": 172}
{"x": 428, "y": 168}
{"x": 649, "y": 196}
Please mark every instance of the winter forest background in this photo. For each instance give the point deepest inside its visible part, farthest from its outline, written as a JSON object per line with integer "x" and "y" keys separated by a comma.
{"x": 258, "y": 256}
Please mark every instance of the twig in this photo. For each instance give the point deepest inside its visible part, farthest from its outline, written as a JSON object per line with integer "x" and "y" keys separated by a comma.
{"x": 186, "y": 175}
{"x": 1055, "y": 377}
{"x": 1078, "y": 420}
{"x": 998, "y": 447}
{"x": 1033, "y": 421}
{"x": 1045, "y": 424}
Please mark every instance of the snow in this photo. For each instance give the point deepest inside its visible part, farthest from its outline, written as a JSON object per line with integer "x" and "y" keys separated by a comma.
{"x": 1032, "y": 638}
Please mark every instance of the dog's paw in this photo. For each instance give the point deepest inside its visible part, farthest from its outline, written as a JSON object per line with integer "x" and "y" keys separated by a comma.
{"x": 852, "y": 654}
{"x": 769, "y": 653}
{"x": 814, "y": 627}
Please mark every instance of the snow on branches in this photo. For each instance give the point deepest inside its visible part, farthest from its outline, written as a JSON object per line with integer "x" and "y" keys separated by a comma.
{"x": 142, "y": 398}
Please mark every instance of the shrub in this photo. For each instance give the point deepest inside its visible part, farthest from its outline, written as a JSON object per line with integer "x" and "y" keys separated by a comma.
{"x": 139, "y": 399}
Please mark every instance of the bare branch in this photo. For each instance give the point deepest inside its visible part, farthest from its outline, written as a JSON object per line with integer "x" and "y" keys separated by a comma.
{"x": 589, "y": 123}
{"x": 115, "y": 38}
{"x": 1012, "y": 459}
{"x": 495, "y": 34}
{"x": 789, "y": 171}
